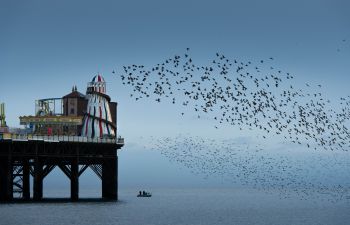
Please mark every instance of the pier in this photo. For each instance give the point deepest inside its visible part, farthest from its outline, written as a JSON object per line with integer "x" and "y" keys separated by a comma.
{"x": 22, "y": 156}
{"x": 73, "y": 133}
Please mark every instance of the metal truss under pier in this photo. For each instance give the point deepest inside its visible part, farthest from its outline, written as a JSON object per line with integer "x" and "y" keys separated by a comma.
{"x": 20, "y": 159}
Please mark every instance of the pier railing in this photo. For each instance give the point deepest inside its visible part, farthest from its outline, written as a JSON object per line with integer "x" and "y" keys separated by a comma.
{"x": 63, "y": 138}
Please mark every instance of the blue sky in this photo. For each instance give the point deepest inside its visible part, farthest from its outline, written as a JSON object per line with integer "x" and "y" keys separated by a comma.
{"x": 46, "y": 47}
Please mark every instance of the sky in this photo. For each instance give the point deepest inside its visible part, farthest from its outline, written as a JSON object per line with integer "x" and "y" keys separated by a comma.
{"x": 46, "y": 47}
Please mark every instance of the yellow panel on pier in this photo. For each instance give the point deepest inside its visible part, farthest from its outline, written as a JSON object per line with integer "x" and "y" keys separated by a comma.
{"x": 68, "y": 120}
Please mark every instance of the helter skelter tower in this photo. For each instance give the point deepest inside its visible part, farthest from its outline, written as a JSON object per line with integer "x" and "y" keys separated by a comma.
{"x": 97, "y": 121}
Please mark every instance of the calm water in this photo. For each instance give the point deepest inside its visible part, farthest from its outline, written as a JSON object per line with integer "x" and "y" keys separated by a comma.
{"x": 189, "y": 206}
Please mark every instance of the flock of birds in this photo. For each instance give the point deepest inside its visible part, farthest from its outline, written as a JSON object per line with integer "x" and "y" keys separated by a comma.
{"x": 247, "y": 95}
{"x": 250, "y": 165}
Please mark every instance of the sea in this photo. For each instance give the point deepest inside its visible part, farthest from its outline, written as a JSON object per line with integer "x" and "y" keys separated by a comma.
{"x": 206, "y": 206}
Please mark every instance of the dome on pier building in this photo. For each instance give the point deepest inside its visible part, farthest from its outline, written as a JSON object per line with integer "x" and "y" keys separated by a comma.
{"x": 98, "y": 78}
{"x": 97, "y": 84}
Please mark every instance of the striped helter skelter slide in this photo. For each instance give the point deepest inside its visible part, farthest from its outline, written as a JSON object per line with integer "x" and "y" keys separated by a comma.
{"x": 97, "y": 121}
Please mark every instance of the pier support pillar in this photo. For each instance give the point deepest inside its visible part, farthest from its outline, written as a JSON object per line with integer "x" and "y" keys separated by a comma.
{"x": 74, "y": 180}
{"x": 26, "y": 179}
{"x": 6, "y": 179}
{"x": 110, "y": 178}
{"x": 2, "y": 180}
{"x": 38, "y": 180}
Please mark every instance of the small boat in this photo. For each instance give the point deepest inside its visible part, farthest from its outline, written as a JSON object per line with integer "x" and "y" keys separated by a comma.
{"x": 145, "y": 194}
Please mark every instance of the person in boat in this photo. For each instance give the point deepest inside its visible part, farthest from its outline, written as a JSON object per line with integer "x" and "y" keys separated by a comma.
{"x": 144, "y": 193}
{"x": 140, "y": 193}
